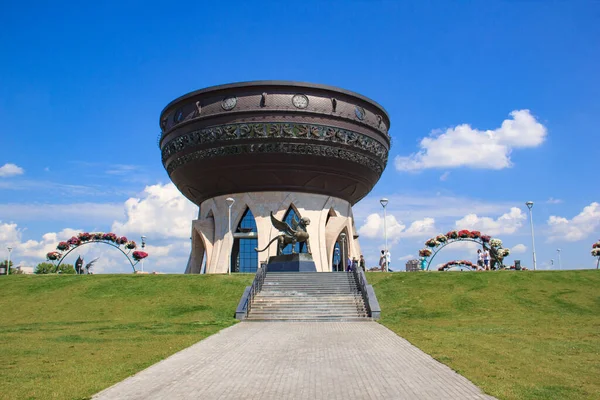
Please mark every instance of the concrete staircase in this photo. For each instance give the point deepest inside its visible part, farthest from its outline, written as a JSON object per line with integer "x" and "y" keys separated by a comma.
{"x": 308, "y": 296}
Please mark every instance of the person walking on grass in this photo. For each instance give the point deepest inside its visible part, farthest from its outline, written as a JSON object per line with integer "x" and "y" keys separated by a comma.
{"x": 479, "y": 260}
{"x": 486, "y": 259}
{"x": 382, "y": 261}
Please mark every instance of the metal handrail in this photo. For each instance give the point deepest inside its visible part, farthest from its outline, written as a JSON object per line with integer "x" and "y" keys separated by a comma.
{"x": 361, "y": 281}
{"x": 256, "y": 287}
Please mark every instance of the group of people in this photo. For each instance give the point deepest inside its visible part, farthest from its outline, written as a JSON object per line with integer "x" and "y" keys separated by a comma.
{"x": 384, "y": 261}
{"x": 483, "y": 260}
{"x": 352, "y": 264}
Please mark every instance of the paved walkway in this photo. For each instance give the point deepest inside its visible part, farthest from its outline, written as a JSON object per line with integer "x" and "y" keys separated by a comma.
{"x": 298, "y": 360}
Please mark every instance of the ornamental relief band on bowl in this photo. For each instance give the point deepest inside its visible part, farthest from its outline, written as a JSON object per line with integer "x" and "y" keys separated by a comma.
{"x": 279, "y": 147}
{"x": 299, "y": 101}
{"x": 275, "y": 130}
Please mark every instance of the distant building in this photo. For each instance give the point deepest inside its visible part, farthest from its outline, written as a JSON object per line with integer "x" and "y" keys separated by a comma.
{"x": 413, "y": 266}
{"x": 25, "y": 270}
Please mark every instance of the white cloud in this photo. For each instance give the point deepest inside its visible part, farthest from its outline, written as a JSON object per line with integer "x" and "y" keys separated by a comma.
{"x": 10, "y": 170}
{"x": 580, "y": 227}
{"x": 506, "y": 224}
{"x": 444, "y": 176}
{"x": 518, "y": 249}
{"x": 373, "y": 228}
{"x": 465, "y": 146}
{"x": 552, "y": 200}
{"x": 407, "y": 257}
{"x": 9, "y": 234}
{"x": 161, "y": 212}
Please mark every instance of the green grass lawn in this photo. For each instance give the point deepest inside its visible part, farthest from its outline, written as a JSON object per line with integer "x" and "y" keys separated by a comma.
{"x": 517, "y": 335}
{"x": 68, "y": 337}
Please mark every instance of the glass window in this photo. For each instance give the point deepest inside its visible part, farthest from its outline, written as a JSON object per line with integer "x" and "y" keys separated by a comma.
{"x": 243, "y": 256}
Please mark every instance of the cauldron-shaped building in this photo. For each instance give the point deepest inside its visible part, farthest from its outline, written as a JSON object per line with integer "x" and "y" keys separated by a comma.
{"x": 242, "y": 150}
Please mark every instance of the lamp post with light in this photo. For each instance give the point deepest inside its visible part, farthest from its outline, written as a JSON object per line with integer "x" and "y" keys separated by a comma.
{"x": 559, "y": 263}
{"x": 529, "y": 205}
{"x": 143, "y": 246}
{"x": 230, "y": 202}
{"x": 8, "y": 262}
{"x": 344, "y": 261}
{"x": 384, "y": 202}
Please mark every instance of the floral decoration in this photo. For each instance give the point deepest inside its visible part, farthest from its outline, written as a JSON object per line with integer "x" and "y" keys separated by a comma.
{"x": 84, "y": 237}
{"x": 74, "y": 241}
{"x": 432, "y": 243}
{"x": 449, "y": 264}
{"x": 122, "y": 240}
{"x": 485, "y": 238}
{"x": 596, "y": 249}
{"x": 424, "y": 253}
{"x": 496, "y": 243}
{"x": 62, "y": 246}
{"x": 465, "y": 233}
{"x": 139, "y": 255}
{"x": 110, "y": 237}
{"x": 441, "y": 238}
{"x": 53, "y": 255}
{"x": 452, "y": 235}
{"x": 131, "y": 245}
{"x": 475, "y": 234}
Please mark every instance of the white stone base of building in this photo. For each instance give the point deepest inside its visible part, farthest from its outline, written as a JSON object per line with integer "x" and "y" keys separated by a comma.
{"x": 212, "y": 241}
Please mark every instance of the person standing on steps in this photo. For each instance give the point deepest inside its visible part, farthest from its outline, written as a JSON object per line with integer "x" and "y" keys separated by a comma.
{"x": 349, "y": 264}
{"x": 361, "y": 263}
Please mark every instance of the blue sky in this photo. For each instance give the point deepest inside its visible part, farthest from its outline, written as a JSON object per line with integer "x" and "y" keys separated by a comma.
{"x": 81, "y": 89}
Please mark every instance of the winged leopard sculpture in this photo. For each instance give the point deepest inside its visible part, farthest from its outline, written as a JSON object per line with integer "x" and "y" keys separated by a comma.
{"x": 289, "y": 234}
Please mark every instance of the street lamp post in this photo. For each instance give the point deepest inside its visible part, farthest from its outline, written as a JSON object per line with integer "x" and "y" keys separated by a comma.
{"x": 8, "y": 262}
{"x": 559, "y": 263}
{"x": 344, "y": 261}
{"x": 384, "y": 203}
{"x": 529, "y": 205}
{"x": 230, "y": 202}
{"x": 143, "y": 246}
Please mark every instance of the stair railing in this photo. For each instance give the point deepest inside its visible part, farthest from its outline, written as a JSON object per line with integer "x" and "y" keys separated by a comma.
{"x": 367, "y": 292}
{"x": 256, "y": 287}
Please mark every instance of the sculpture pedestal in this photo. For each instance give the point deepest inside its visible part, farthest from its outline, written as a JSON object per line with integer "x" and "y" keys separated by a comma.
{"x": 299, "y": 262}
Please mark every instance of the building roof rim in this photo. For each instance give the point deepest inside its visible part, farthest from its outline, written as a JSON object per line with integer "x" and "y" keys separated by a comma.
{"x": 276, "y": 83}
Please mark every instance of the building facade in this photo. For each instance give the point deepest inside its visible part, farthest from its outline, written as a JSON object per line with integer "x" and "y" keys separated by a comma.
{"x": 242, "y": 151}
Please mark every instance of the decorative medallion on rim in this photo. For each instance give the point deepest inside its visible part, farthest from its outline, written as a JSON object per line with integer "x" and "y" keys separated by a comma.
{"x": 229, "y": 103}
{"x": 300, "y": 101}
{"x": 360, "y": 112}
{"x": 178, "y": 117}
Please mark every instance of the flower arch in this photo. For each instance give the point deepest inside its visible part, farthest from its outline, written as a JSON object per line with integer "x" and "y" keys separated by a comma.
{"x": 596, "y": 252}
{"x": 83, "y": 238}
{"x": 435, "y": 244}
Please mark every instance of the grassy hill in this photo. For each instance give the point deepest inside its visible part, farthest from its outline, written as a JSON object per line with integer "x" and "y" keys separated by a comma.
{"x": 68, "y": 337}
{"x": 518, "y": 335}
